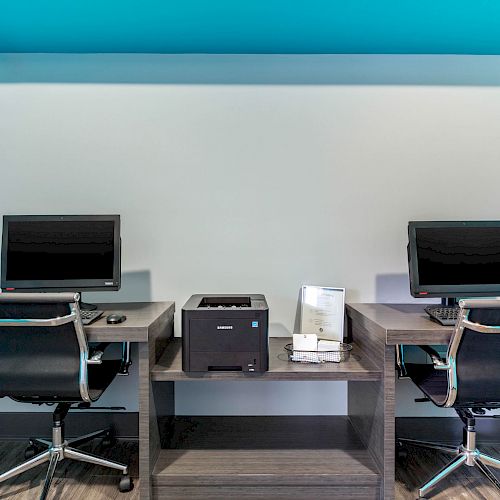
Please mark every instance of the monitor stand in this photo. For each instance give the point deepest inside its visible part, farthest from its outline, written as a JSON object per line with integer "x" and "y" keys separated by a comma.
{"x": 449, "y": 302}
{"x": 85, "y": 306}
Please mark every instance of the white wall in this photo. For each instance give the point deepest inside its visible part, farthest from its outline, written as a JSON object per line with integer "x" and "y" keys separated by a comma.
{"x": 233, "y": 187}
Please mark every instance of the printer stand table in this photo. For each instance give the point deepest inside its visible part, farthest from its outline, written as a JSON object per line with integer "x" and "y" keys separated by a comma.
{"x": 281, "y": 457}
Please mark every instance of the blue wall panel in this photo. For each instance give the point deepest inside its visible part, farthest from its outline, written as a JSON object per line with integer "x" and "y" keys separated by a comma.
{"x": 252, "y": 26}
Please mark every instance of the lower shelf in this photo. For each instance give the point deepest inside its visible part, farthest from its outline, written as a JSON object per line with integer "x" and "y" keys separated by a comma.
{"x": 264, "y": 457}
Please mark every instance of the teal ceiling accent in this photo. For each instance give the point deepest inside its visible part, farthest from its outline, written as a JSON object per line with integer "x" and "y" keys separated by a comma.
{"x": 252, "y": 26}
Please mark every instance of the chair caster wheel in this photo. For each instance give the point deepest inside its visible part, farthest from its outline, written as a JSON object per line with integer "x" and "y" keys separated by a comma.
{"x": 32, "y": 449}
{"x": 401, "y": 454}
{"x": 126, "y": 484}
{"x": 109, "y": 440}
{"x": 30, "y": 452}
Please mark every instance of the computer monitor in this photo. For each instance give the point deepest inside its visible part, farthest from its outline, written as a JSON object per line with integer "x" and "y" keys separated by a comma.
{"x": 454, "y": 259}
{"x": 52, "y": 253}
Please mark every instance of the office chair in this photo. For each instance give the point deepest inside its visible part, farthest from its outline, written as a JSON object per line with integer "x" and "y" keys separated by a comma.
{"x": 468, "y": 380}
{"x": 45, "y": 358}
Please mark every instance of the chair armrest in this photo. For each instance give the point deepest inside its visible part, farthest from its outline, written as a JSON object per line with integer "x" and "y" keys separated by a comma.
{"x": 477, "y": 327}
{"x": 102, "y": 346}
{"x": 96, "y": 353}
{"x": 438, "y": 362}
{"x": 58, "y": 321}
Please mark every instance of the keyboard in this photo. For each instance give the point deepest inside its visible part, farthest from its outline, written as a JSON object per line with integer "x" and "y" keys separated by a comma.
{"x": 446, "y": 316}
{"x": 90, "y": 316}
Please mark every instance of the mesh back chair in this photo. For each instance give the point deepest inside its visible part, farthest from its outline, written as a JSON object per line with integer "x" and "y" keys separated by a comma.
{"x": 468, "y": 380}
{"x": 45, "y": 358}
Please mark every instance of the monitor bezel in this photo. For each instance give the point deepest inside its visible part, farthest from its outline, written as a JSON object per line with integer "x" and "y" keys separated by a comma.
{"x": 419, "y": 291}
{"x": 84, "y": 285}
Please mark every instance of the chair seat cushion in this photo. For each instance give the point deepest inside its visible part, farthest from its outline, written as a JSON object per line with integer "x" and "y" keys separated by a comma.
{"x": 99, "y": 378}
{"x": 433, "y": 383}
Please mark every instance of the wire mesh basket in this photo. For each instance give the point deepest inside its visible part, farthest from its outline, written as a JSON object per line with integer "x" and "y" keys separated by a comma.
{"x": 337, "y": 356}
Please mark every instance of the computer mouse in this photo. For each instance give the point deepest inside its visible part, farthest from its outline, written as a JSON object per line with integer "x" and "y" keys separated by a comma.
{"x": 115, "y": 318}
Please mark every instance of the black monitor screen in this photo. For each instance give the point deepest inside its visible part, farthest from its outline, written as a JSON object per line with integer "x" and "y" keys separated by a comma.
{"x": 458, "y": 255}
{"x": 76, "y": 252}
{"x": 60, "y": 250}
{"x": 454, "y": 258}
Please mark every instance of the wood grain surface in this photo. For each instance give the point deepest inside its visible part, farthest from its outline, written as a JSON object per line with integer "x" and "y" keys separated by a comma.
{"x": 359, "y": 367}
{"x": 73, "y": 480}
{"x": 141, "y": 318}
{"x": 466, "y": 483}
{"x": 309, "y": 492}
{"x": 400, "y": 323}
{"x": 371, "y": 404}
{"x": 160, "y": 332}
{"x": 79, "y": 481}
{"x": 258, "y": 456}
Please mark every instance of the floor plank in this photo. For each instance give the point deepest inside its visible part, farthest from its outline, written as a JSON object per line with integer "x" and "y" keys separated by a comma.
{"x": 86, "y": 482}
{"x": 75, "y": 480}
{"x": 467, "y": 483}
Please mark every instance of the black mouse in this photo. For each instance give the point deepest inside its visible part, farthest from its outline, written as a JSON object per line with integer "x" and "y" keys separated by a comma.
{"x": 115, "y": 318}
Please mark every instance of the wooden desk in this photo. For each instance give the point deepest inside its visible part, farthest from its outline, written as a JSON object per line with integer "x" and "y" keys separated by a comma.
{"x": 144, "y": 321}
{"x": 358, "y": 367}
{"x": 400, "y": 323}
{"x": 290, "y": 457}
{"x": 377, "y": 328}
{"x": 150, "y": 325}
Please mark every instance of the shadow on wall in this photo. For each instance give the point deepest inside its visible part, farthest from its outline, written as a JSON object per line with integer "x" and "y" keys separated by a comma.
{"x": 278, "y": 330}
{"x": 136, "y": 287}
{"x": 270, "y": 69}
{"x": 296, "y": 323}
{"x": 394, "y": 289}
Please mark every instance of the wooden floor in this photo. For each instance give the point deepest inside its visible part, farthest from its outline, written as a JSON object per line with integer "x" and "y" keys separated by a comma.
{"x": 466, "y": 483}
{"x": 73, "y": 480}
{"x": 80, "y": 481}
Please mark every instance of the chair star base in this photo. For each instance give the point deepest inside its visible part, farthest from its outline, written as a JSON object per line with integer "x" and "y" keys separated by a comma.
{"x": 466, "y": 454}
{"x": 60, "y": 449}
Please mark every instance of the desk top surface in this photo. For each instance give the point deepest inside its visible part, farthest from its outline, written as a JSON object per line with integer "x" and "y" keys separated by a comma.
{"x": 358, "y": 367}
{"x": 400, "y": 323}
{"x": 141, "y": 317}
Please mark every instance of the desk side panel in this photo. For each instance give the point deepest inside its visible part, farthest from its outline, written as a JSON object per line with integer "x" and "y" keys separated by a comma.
{"x": 371, "y": 404}
{"x": 160, "y": 332}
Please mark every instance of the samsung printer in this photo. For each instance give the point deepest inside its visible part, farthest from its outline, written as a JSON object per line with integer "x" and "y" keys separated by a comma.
{"x": 225, "y": 333}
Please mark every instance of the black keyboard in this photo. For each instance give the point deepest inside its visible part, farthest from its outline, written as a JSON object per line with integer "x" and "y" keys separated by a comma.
{"x": 446, "y": 316}
{"x": 90, "y": 316}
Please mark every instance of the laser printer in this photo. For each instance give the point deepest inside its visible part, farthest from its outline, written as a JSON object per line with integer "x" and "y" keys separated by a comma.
{"x": 225, "y": 333}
